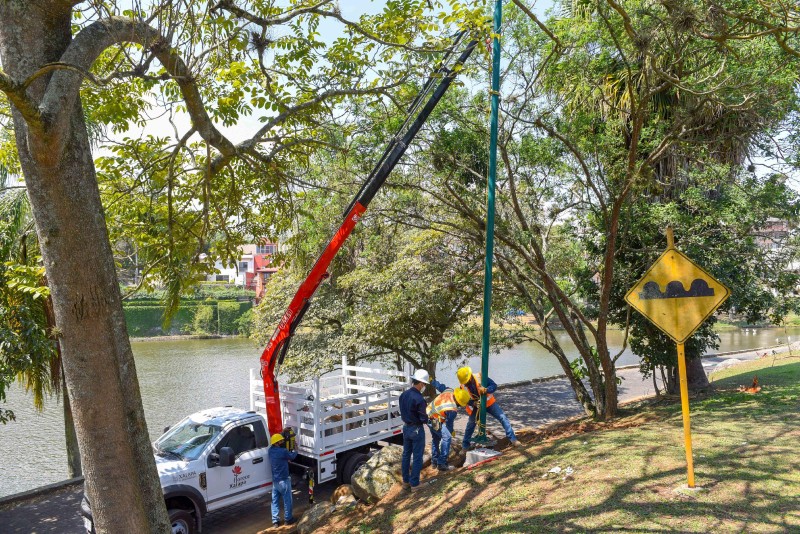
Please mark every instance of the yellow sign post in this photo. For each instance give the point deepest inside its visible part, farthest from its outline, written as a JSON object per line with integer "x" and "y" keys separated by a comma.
{"x": 689, "y": 296}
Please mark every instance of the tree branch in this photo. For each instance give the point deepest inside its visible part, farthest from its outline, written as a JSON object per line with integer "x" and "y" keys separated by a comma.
{"x": 63, "y": 90}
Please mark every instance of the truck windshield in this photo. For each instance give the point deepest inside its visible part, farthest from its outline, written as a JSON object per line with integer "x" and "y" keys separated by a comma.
{"x": 186, "y": 440}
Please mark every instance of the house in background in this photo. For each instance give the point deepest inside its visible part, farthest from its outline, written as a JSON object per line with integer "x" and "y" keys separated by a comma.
{"x": 252, "y": 270}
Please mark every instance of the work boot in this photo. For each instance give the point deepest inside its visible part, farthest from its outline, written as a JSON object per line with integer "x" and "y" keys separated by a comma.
{"x": 445, "y": 467}
{"x": 416, "y": 488}
{"x": 406, "y": 486}
{"x": 515, "y": 443}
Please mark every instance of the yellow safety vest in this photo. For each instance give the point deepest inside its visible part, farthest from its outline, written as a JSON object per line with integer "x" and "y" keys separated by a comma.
{"x": 444, "y": 402}
{"x": 489, "y": 397}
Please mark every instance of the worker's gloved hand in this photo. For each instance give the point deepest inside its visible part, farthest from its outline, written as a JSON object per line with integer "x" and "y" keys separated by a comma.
{"x": 482, "y": 390}
{"x": 435, "y": 424}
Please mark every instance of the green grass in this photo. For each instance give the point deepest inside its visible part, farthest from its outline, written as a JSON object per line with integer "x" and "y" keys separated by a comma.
{"x": 626, "y": 479}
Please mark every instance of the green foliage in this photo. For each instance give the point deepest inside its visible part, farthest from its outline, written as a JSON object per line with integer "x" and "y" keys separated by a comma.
{"x": 397, "y": 293}
{"x": 228, "y": 313}
{"x": 244, "y": 323}
{"x": 174, "y": 204}
{"x": 205, "y": 320}
{"x": 146, "y": 321}
{"x": 27, "y": 350}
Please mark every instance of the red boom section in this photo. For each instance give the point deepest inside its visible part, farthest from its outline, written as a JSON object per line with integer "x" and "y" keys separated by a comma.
{"x": 318, "y": 273}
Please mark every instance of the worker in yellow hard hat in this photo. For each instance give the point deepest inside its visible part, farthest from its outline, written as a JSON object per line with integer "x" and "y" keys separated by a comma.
{"x": 279, "y": 459}
{"x": 471, "y": 383}
{"x": 439, "y": 410}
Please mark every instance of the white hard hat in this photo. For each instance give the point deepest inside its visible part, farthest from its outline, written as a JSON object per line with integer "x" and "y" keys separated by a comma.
{"x": 421, "y": 375}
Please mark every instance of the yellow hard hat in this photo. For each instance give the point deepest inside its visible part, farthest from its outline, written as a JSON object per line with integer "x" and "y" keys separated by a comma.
{"x": 276, "y": 438}
{"x": 464, "y": 374}
{"x": 462, "y": 396}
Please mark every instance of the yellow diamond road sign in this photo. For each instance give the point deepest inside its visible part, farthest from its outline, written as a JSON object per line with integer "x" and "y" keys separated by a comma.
{"x": 676, "y": 295}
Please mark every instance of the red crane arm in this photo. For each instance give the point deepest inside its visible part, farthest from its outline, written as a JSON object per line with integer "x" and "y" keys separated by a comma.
{"x": 278, "y": 344}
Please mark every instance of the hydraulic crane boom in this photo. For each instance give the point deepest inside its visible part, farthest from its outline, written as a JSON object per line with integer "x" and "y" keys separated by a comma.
{"x": 274, "y": 353}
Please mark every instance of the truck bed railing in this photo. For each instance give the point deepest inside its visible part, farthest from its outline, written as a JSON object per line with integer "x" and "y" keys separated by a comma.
{"x": 354, "y": 407}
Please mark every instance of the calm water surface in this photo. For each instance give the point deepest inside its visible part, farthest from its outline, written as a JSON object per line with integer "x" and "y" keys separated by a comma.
{"x": 181, "y": 377}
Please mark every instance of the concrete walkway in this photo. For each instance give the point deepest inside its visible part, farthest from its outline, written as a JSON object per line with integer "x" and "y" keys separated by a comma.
{"x": 532, "y": 404}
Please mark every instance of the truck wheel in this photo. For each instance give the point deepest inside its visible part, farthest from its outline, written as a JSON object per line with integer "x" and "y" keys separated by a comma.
{"x": 354, "y": 461}
{"x": 182, "y": 522}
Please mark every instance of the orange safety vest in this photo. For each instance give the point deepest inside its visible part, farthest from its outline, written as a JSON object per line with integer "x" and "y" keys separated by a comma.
{"x": 444, "y": 402}
{"x": 489, "y": 397}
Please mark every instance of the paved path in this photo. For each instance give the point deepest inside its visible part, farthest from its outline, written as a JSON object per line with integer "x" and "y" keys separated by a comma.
{"x": 529, "y": 405}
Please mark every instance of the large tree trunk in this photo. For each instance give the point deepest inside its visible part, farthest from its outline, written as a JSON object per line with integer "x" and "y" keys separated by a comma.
{"x": 121, "y": 480}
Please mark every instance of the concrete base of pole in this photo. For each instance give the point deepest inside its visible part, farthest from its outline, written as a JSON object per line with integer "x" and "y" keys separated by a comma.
{"x": 476, "y": 456}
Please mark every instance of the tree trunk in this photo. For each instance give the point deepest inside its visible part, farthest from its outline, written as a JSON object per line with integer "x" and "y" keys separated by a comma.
{"x": 696, "y": 375}
{"x": 70, "y": 436}
{"x": 121, "y": 479}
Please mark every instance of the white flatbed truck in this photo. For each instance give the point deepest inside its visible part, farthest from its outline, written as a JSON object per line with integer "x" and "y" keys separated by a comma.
{"x": 217, "y": 457}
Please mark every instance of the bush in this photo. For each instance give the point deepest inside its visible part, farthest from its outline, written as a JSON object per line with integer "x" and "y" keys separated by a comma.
{"x": 146, "y": 321}
{"x": 228, "y": 312}
{"x": 205, "y": 320}
{"x": 245, "y": 323}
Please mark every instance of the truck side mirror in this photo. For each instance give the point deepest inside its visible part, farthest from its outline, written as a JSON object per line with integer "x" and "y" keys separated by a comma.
{"x": 165, "y": 429}
{"x": 226, "y": 457}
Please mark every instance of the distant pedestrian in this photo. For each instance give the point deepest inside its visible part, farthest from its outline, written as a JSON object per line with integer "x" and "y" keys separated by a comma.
{"x": 412, "y": 411}
{"x": 279, "y": 459}
{"x": 472, "y": 384}
{"x": 439, "y": 411}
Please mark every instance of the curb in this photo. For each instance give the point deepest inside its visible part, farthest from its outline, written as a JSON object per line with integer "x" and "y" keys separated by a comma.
{"x": 624, "y": 367}
{"x": 10, "y": 499}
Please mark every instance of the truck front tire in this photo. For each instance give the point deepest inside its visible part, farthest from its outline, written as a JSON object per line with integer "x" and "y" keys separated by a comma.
{"x": 182, "y": 522}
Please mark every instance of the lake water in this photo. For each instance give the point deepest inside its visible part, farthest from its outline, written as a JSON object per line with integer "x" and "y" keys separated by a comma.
{"x": 181, "y": 377}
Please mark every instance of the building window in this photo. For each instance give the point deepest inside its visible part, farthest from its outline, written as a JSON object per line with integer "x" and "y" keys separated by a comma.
{"x": 222, "y": 278}
{"x": 243, "y": 266}
{"x": 266, "y": 249}
{"x": 267, "y": 277}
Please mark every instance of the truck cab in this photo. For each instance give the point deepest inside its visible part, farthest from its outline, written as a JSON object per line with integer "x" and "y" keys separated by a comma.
{"x": 209, "y": 460}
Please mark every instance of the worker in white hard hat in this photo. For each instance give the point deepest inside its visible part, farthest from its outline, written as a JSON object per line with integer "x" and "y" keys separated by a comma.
{"x": 412, "y": 411}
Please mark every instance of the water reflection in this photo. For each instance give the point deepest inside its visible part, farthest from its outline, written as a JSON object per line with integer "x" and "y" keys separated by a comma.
{"x": 181, "y": 377}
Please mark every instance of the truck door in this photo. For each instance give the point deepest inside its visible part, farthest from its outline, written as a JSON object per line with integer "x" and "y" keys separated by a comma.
{"x": 249, "y": 476}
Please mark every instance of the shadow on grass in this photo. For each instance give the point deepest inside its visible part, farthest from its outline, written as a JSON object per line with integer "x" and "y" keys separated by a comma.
{"x": 748, "y": 464}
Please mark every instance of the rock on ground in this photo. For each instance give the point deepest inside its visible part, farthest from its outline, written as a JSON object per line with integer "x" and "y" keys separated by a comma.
{"x": 314, "y": 517}
{"x": 374, "y": 479}
{"x": 342, "y": 491}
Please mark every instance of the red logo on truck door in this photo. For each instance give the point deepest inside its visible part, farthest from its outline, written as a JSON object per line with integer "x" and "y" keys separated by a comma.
{"x": 238, "y": 478}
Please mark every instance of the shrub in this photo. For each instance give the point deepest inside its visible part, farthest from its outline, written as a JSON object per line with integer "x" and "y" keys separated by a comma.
{"x": 244, "y": 324}
{"x": 205, "y": 320}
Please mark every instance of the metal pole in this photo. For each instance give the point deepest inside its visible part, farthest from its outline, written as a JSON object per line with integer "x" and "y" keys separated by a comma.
{"x": 487, "y": 280}
{"x": 687, "y": 423}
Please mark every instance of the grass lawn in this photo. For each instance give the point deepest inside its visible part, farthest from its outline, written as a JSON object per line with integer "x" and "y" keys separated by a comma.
{"x": 627, "y": 479}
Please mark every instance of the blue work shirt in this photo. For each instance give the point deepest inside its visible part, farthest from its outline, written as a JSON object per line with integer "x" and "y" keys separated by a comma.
{"x": 412, "y": 407}
{"x": 279, "y": 461}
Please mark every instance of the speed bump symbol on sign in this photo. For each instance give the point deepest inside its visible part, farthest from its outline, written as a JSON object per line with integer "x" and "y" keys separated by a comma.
{"x": 677, "y": 295}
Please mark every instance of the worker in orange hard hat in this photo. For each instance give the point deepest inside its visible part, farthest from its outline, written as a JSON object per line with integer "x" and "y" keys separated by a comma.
{"x": 471, "y": 383}
{"x": 438, "y": 410}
